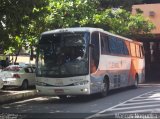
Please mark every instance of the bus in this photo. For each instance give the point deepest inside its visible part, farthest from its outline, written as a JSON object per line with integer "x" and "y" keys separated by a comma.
{"x": 85, "y": 60}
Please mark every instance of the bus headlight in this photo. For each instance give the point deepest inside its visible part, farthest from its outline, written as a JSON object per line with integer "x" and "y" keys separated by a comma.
{"x": 81, "y": 82}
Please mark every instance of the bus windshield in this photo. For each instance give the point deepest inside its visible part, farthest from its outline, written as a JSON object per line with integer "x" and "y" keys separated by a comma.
{"x": 63, "y": 54}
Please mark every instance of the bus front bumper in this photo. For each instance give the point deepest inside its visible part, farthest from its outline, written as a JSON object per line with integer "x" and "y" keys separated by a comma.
{"x": 72, "y": 90}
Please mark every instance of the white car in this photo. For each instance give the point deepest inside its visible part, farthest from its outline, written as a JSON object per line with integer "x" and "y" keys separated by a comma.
{"x": 18, "y": 76}
{"x": 1, "y": 83}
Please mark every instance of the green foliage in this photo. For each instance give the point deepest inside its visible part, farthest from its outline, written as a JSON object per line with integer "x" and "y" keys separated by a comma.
{"x": 19, "y": 19}
{"x": 122, "y": 22}
{"x": 67, "y": 13}
{"x": 10, "y": 51}
{"x": 140, "y": 25}
{"x": 22, "y": 21}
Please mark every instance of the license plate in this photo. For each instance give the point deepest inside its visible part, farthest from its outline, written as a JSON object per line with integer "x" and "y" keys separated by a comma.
{"x": 59, "y": 91}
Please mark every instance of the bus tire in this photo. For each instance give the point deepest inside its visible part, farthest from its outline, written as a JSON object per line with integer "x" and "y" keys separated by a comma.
{"x": 105, "y": 89}
{"x": 136, "y": 81}
{"x": 24, "y": 85}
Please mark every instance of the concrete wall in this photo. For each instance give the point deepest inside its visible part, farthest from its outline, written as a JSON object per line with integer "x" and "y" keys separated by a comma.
{"x": 23, "y": 59}
{"x": 152, "y": 12}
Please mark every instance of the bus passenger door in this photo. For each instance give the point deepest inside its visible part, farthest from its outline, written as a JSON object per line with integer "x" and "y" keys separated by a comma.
{"x": 94, "y": 62}
{"x": 94, "y": 52}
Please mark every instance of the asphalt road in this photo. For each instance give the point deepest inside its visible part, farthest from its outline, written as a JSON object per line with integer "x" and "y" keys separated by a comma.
{"x": 85, "y": 106}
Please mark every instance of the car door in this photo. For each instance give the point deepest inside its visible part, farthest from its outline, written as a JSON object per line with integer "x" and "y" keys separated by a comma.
{"x": 29, "y": 75}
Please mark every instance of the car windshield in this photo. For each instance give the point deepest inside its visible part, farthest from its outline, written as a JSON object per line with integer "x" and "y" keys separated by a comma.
{"x": 63, "y": 54}
{"x": 12, "y": 68}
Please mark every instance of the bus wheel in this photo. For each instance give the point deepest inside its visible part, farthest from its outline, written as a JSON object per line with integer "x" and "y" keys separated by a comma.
{"x": 136, "y": 82}
{"x": 105, "y": 89}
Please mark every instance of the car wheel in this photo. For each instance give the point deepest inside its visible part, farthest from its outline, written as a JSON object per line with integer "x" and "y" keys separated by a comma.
{"x": 24, "y": 85}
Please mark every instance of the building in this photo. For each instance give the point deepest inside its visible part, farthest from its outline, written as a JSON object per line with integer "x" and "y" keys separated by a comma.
{"x": 23, "y": 59}
{"x": 152, "y": 44}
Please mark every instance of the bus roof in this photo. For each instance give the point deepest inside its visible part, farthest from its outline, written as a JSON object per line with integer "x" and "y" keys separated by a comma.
{"x": 84, "y": 29}
{"x": 74, "y": 29}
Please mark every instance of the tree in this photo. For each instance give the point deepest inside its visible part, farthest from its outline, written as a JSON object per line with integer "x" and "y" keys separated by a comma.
{"x": 122, "y": 22}
{"x": 18, "y": 23}
{"x": 23, "y": 21}
{"x": 70, "y": 13}
{"x": 87, "y": 13}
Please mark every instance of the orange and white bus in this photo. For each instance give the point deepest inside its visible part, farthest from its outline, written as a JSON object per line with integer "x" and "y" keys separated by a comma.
{"x": 84, "y": 60}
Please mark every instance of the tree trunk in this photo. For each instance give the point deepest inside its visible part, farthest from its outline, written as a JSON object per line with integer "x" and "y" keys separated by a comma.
{"x": 31, "y": 53}
{"x": 17, "y": 55}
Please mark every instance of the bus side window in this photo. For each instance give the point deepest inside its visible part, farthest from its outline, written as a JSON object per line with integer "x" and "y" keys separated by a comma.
{"x": 95, "y": 50}
{"x": 126, "y": 52}
{"x": 127, "y": 48}
{"x": 133, "y": 49}
{"x": 138, "y": 51}
{"x": 104, "y": 44}
{"x": 141, "y": 51}
{"x": 112, "y": 45}
{"x": 107, "y": 44}
{"x": 103, "y": 51}
{"x": 120, "y": 46}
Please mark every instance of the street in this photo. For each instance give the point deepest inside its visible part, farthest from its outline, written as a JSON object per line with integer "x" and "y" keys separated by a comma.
{"x": 86, "y": 106}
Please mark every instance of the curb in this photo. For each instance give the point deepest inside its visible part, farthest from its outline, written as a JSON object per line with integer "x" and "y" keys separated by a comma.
{"x": 17, "y": 96}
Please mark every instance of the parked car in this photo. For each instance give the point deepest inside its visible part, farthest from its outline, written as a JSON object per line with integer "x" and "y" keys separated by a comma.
{"x": 21, "y": 76}
{"x": 1, "y": 83}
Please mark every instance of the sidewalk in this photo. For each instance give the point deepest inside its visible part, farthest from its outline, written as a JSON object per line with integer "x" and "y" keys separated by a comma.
{"x": 11, "y": 96}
